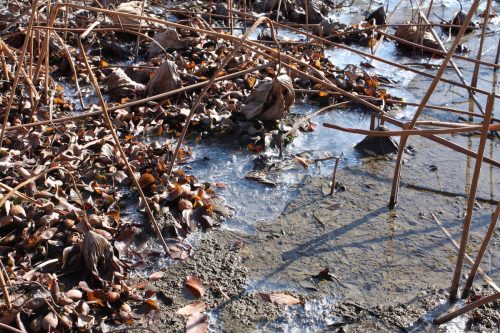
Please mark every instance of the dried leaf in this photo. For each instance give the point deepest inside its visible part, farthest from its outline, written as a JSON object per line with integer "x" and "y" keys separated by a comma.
{"x": 120, "y": 85}
{"x": 165, "y": 79}
{"x": 146, "y": 180}
{"x": 50, "y": 321}
{"x": 197, "y": 323}
{"x": 152, "y": 303}
{"x": 270, "y": 100}
{"x": 157, "y": 275}
{"x": 280, "y": 298}
{"x": 191, "y": 309}
{"x": 195, "y": 285}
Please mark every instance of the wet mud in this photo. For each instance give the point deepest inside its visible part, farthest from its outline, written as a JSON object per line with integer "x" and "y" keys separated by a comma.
{"x": 389, "y": 270}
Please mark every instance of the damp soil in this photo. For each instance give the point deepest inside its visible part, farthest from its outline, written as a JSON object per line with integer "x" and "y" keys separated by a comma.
{"x": 389, "y": 270}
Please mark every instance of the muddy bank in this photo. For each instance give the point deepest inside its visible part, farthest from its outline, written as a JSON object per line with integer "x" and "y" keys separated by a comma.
{"x": 389, "y": 270}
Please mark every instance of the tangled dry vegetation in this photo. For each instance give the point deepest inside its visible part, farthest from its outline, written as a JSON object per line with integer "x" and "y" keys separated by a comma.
{"x": 99, "y": 110}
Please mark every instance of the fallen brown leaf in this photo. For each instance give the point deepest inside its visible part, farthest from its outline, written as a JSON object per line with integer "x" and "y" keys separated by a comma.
{"x": 191, "y": 309}
{"x": 197, "y": 323}
{"x": 195, "y": 285}
{"x": 280, "y": 298}
{"x": 156, "y": 275}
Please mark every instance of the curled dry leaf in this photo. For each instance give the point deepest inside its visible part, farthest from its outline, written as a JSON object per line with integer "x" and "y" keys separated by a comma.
{"x": 120, "y": 85}
{"x": 165, "y": 79}
{"x": 412, "y": 34}
{"x": 17, "y": 212}
{"x": 168, "y": 40}
{"x": 156, "y": 275}
{"x": 74, "y": 294}
{"x": 178, "y": 249}
{"x": 195, "y": 285}
{"x": 197, "y": 323}
{"x": 280, "y": 298}
{"x": 112, "y": 296}
{"x": 84, "y": 322}
{"x": 191, "y": 309}
{"x": 270, "y": 99}
{"x": 131, "y": 7}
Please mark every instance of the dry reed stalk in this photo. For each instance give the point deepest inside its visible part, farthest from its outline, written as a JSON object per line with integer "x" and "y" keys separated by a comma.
{"x": 233, "y": 38}
{"x": 24, "y": 197}
{"x": 438, "y": 52}
{"x": 123, "y": 156}
{"x": 455, "y": 67}
{"x": 47, "y": 58}
{"x": 397, "y": 171}
{"x": 396, "y": 64}
{"x": 334, "y": 175}
{"x": 469, "y": 307}
{"x": 10, "y": 328}
{"x": 472, "y": 196}
{"x": 481, "y": 43}
{"x": 437, "y": 139}
{"x": 407, "y": 132}
{"x": 5, "y": 69}
{"x": 485, "y": 276}
{"x": 230, "y": 7}
{"x": 395, "y": 101}
{"x": 314, "y": 114}
{"x": 5, "y": 291}
{"x": 73, "y": 69}
{"x": 442, "y": 141}
{"x": 139, "y": 29}
{"x": 482, "y": 250}
{"x": 25, "y": 75}
{"x": 371, "y": 56}
{"x": 381, "y": 40}
{"x": 29, "y": 31}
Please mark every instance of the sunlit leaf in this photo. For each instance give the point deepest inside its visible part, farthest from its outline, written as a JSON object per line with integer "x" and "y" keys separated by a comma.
{"x": 146, "y": 180}
{"x": 195, "y": 285}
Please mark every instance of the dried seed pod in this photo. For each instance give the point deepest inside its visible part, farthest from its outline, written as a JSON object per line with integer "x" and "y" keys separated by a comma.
{"x": 94, "y": 220}
{"x": 74, "y": 294}
{"x": 125, "y": 307}
{"x": 112, "y": 296}
{"x": 18, "y": 213}
{"x": 185, "y": 204}
{"x": 64, "y": 301}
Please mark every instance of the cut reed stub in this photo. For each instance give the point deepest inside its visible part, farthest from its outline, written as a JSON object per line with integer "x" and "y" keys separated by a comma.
{"x": 376, "y": 145}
